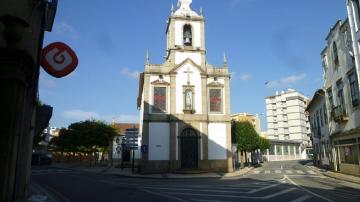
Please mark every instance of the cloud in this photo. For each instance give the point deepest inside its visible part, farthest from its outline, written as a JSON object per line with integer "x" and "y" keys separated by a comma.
{"x": 80, "y": 114}
{"x": 293, "y": 79}
{"x": 125, "y": 118}
{"x": 286, "y": 81}
{"x": 65, "y": 29}
{"x": 246, "y": 77}
{"x": 130, "y": 74}
{"x": 46, "y": 82}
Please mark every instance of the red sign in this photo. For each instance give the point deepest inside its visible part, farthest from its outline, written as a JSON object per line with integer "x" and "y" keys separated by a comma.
{"x": 58, "y": 59}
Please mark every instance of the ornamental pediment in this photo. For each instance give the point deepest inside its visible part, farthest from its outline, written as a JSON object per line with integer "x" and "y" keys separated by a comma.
{"x": 215, "y": 84}
{"x": 187, "y": 61}
{"x": 160, "y": 82}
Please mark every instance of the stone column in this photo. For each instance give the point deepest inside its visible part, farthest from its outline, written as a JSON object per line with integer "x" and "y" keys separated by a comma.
{"x": 173, "y": 123}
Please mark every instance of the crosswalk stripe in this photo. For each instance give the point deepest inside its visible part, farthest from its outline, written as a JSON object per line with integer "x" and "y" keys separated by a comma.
{"x": 301, "y": 199}
{"x": 267, "y": 171}
{"x": 278, "y": 171}
{"x": 300, "y": 172}
{"x": 256, "y": 171}
{"x": 311, "y": 172}
{"x": 289, "y": 171}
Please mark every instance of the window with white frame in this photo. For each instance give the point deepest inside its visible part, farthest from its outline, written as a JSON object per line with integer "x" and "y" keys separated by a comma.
{"x": 216, "y": 100}
{"x": 159, "y": 99}
{"x": 354, "y": 88}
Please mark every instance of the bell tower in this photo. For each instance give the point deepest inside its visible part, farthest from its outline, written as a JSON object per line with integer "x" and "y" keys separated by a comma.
{"x": 185, "y": 34}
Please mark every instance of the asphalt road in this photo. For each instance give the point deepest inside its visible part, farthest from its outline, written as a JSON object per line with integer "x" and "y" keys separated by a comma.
{"x": 274, "y": 181}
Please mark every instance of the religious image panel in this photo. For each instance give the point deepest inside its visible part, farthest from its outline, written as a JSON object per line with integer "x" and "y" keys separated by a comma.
{"x": 159, "y": 100}
{"x": 215, "y": 100}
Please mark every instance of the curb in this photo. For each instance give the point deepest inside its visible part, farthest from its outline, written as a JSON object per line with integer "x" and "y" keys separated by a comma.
{"x": 331, "y": 175}
{"x": 162, "y": 176}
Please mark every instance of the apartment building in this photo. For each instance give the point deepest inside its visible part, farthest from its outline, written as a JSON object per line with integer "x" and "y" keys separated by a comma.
{"x": 341, "y": 75}
{"x": 254, "y": 119}
{"x": 287, "y": 123}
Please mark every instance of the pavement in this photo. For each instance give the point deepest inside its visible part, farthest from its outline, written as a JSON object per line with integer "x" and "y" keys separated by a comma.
{"x": 290, "y": 181}
{"x": 335, "y": 175}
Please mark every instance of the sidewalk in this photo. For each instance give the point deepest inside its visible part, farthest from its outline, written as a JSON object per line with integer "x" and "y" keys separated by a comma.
{"x": 339, "y": 176}
{"x": 126, "y": 172}
{"x": 39, "y": 194}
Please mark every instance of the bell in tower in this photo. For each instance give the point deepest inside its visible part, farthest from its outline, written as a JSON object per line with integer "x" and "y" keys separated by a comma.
{"x": 187, "y": 35}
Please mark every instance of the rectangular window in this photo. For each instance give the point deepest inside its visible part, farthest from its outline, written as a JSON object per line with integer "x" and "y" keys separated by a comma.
{"x": 278, "y": 150}
{"x": 215, "y": 100}
{"x": 335, "y": 54}
{"x": 321, "y": 118}
{"x": 330, "y": 97}
{"x": 340, "y": 95}
{"x": 325, "y": 114}
{"x": 354, "y": 87}
{"x": 159, "y": 100}
{"x": 348, "y": 154}
{"x": 286, "y": 150}
{"x": 272, "y": 150}
{"x": 317, "y": 119}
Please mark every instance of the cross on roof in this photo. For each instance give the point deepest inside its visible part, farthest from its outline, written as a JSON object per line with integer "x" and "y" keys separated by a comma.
{"x": 188, "y": 72}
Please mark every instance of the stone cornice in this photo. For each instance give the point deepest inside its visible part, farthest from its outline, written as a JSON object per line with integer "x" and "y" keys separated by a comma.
{"x": 188, "y": 60}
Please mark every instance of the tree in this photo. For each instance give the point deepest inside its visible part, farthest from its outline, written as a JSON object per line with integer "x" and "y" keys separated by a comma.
{"x": 264, "y": 144}
{"x": 245, "y": 136}
{"x": 87, "y": 137}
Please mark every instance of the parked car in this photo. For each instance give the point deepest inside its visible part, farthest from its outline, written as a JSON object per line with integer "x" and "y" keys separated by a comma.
{"x": 41, "y": 159}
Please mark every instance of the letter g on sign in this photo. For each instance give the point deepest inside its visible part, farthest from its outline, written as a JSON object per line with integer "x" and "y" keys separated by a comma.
{"x": 58, "y": 59}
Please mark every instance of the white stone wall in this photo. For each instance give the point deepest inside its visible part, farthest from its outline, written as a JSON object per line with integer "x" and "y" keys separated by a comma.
{"x": 181, "y": 56}
{"x": 195, "y": 80}
{"x": 217, "y": 141}
{"x": 159, "y": 140}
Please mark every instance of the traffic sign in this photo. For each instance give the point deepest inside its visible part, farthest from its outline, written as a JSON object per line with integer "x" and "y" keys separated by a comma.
{"x": 58, "y": 59}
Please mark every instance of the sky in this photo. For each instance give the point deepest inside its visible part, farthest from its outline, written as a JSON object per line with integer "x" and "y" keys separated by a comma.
{"x": 266, "y": 41}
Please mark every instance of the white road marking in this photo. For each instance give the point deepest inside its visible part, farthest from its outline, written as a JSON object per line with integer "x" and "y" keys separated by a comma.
{"x": 204, "y": 200}
{"x": 235, "y": 196}
{"x": 279, "y": 193}
{"x": 197, "y": 190}
{"x": 300, "y": 187}
{"x": 263, "y": 188}
{"x": 311, "y": 172}
{"x": 165, "y": 195}
{"x": 300, "y": 172}
{"x": 278, "y": 171}
{"x": 301, "y": 199}
{"x": 289, "y": 171}
{"x": 256, "y": 171}
{"x": 267, "y": 171}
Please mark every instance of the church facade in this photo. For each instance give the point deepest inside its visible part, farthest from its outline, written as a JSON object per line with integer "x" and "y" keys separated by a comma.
{"x": 185, "y": 103}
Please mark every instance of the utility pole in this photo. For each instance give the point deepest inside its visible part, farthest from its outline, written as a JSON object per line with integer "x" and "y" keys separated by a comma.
{"x": 22, "y": 26}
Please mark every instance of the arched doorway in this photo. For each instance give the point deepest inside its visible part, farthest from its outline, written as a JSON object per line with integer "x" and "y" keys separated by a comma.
{"x": 189, "y": 149}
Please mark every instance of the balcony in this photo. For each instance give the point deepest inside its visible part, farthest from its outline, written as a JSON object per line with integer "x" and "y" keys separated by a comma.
{"x": 339, "y": 114}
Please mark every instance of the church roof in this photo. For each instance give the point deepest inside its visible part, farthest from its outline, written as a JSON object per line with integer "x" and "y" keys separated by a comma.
{"x": 184, "y": 8}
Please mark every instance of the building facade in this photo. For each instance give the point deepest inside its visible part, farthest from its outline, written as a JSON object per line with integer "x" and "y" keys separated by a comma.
{"x": 254, "y": 119}
{"x": 320, "y": 136}
{"x": 287, "y": 121}
{"x": 185, "y": 102}
{"x": 341, "y": 85}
